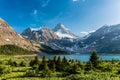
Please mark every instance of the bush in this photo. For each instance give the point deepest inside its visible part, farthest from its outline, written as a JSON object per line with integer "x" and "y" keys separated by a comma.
{"x": 23, "y": 64}
{"x": 73, "y": 77}
{"x": 4, "y": 69}
{"x": 31, "y": 73}
{"x": 35, "y": 62}
{"x": 46, "y": 73}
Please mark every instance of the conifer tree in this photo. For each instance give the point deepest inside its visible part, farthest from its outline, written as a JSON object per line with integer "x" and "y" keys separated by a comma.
{"x": 74, "y": 69}
{"x": 44, "y": 59}
{"x": 43, "y": 65}
{"x": 22, "y": 64}
{"x": 54, "y": 59}
{"x": 94, "y": 59}
{"x": 58, "y": 64}
{"x": 64, "y": 60}
{"x": 34, "y": 62}
{"x": 54, "y": 69}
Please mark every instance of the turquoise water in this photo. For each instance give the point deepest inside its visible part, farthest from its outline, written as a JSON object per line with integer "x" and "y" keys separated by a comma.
{"x": 83, "y": 57}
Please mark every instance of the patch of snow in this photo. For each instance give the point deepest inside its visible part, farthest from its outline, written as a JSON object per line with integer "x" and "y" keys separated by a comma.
{"x": 7, "y": 40}
{"x": 35, "y": 29}
{"x": 86, "y": 46}
{"x": 85, "y": 33}
{"x": 102, "y": 37}
{"x": 61, "y": 35}
{"x": 64, "y": 27}
{"x": 39, "y": 35}
{"x": 70, "y": 49}
{"x": 87, "y": 36}
{"x": 94, "y": 42}
{"x": 20, "y": 35}
{"x": 26, "y": 36}
{"x": 16, "y": 43}
{"x": 116, "y": 38}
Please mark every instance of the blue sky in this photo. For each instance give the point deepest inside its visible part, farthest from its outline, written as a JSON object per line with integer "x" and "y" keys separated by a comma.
{"x": 80, "y": 16}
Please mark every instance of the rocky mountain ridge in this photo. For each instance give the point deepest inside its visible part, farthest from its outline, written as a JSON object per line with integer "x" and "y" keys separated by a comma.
{"x": 9, "y": 36}
{"x": 105, "y": 40}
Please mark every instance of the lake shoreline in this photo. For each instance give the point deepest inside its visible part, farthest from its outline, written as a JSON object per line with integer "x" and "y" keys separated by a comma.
{"x": 25, "y": 56}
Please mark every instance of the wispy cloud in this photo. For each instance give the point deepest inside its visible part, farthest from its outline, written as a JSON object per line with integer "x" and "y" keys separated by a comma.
{"x": 84, "y": 33}
{"x": 35, "y": 12}
{"x": 45, "y": 3}
{"x": 75, "y": 0}
{"x": 83, "y": 0}
{"x": 78, "y": 0}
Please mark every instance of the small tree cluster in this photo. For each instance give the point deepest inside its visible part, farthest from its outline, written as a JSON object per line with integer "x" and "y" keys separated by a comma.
{"x": 34, "y": 62}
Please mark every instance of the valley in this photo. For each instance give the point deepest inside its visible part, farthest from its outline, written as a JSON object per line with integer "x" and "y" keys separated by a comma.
{"x": 59, "y": 39}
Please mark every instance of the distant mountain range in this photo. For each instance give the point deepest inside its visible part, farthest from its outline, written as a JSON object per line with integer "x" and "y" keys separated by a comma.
{"x": 104, "y": 40}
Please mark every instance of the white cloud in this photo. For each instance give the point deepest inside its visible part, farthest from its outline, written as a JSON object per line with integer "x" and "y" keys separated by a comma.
{"x": 45, "y": 3}
{"x": 74, "y": 0}
{"x": 84, "y": 33}
{"x": 78, "y": 0}
{"x": 35, "y": 12}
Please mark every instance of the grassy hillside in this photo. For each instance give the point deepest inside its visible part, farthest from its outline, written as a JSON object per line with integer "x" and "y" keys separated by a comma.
{"x": 13, "y": 50}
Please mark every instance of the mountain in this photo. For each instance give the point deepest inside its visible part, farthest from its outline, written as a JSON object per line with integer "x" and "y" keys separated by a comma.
{"x": 104, "y": 40}
{"x": 63, "y": 32}
{"x": 42, "y": 34}
{"x": 9, "y": 36}
{"x": 60, "y": 38}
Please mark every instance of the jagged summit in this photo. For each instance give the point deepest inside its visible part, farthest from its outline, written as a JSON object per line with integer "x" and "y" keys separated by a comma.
{"x": 40, "y": 34}
{"x": 63, "y": 32}
{"x": 61, "y": 27}
{"x": 39, "y": 28}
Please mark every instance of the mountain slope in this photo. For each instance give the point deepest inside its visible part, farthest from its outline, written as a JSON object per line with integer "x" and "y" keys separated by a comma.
{"x": 43, "y": 34}
{"x": 9, "y": 36}
{"x": 105, "y": 39}
{"x": 60, "y": 38}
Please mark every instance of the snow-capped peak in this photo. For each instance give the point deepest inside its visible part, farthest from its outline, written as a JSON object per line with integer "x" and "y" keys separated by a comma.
{"x": 63, "y": 32}
{"x": 35, "y": 29}
{"x": 60, "y": 27}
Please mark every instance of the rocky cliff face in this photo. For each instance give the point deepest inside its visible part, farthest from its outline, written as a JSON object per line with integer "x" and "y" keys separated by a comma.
{"x": 9, "y": 36}
{"x": 42, "y": 34}
{"x": 60, "y": 38}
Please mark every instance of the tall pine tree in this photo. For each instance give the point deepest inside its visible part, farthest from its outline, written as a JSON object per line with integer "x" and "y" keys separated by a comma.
{"x": 94, "y": 59}
{"x": 58, "y": 64}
